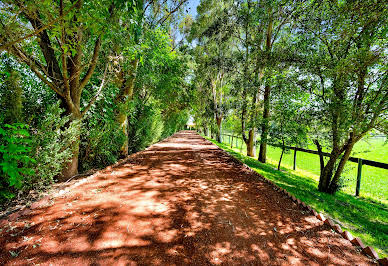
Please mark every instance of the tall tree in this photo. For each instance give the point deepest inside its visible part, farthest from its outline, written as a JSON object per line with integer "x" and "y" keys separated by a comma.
{"x": 131, "y": 45}
{"x": 63, "y": 49}
{"x": 272, "y": 17}
{"x": 247, "y": 78}
{"x": 345, "y": 70}
{"x": 213, "y": 31}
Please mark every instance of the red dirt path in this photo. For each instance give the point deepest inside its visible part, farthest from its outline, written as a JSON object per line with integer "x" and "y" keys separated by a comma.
{"x": 182, "y": 201}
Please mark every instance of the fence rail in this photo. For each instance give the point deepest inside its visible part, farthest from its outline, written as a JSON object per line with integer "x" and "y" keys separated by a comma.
{"x": 359, "y": 161}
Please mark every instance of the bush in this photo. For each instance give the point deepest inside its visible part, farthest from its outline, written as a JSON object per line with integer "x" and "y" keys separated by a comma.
{"x": 30, "y": 158}
{"x": 145, "y": 126}
{"x": 101, "y": 138}
{"x": 100, "y": 145}
{"x": 16, "y": 161}
{"x": 51, "y": 146}
{"x": 173, "y": 122}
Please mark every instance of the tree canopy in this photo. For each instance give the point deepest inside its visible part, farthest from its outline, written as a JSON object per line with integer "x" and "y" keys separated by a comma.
{"x": 85, "y": 82}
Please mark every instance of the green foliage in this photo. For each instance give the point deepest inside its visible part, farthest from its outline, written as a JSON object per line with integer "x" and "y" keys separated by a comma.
{"x": 173, "y": 122}
{"x": 11, "y": 93}
{"x": 101, "y": 138}
{"x": 309, "y": 69}
{"x": 100, "y": 145}
{"x": 51, "y": 143}
{"x": 145, "y": 126}
{"x": 288, "y": 125}
{"x": 31, "y": 157}
{"x": 16, "y": 162}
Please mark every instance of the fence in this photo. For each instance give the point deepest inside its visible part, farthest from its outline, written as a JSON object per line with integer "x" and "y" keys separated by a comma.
{"x": 359, "y": 161}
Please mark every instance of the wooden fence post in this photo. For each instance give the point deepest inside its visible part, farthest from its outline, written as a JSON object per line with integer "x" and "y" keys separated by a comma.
{"x": 294, "y": 159}
{"x": 358, "y": 177}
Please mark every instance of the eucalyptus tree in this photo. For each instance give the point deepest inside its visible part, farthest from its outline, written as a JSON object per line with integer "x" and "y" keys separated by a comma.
{"x": 246, "y": 80}
{"x": 273, "y": 20}
{"x": 344, "y": 47}
{"x": 213, "y": 31}
{"x": 201, "y": 105}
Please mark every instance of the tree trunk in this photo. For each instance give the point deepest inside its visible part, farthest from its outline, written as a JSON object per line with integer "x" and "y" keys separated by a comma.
{"x": 71, "y": 168}
{"x": 320, "y": 154}
{"x": 281, "y": 157}
{"x": 219, "y": 122}
{"x": 334, "y": 186}
{"x": 265, "y": 125}
{"x": 327, "y": 173}
{"x": 267, "y": 93}
{"x": 251, "y": 143}
{"x": 127, "y": 84}
{"x": 122, "y": 119}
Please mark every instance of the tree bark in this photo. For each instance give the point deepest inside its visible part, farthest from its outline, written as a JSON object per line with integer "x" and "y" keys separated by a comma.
{"x": 71, "y": 168}
{"x": 320, "y": 154}
{"x": 327, "y": 173}
{"x": 125, "y": 95}
{"x": 251, "y": 143}
{"x": 281, "y": 156}
{"x": 267, "y": 93}
{"x": 334, "y": 186}
{"x": 219, "y": 122}
{"x": 265, "y": 125}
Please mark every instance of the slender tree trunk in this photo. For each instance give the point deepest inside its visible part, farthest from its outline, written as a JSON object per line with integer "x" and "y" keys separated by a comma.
{"x": 71, "y": 168}
{"x": 320, "y": 154}
{"x": 267, "y": 93}
{"x": 219, "y": 122}
{"x": 122, "y": 119}
{"x": 127, "y": 84}
{"x": 265, "y": 125}
{"x": 251, "y": 143}
{"x": 281, "y": 157}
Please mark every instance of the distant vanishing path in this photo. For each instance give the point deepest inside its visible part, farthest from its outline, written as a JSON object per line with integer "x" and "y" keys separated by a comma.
{"x": 181, "y": 202}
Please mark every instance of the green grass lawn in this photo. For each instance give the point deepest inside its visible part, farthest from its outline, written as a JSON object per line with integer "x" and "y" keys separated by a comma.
{"x": 374, "y": 181}
{"x": 363, "y": 217}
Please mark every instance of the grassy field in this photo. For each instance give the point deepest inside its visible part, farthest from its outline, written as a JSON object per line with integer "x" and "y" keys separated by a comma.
{"x": 363, "y": 217}
{"x": 374, "y": 181}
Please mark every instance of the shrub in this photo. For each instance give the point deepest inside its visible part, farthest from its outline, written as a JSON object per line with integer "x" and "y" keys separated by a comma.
{"x": 145, "y": 126}
{"x": 101, "y": 138}
{"x": 100, "y": 145}
{"x": 16, "y": 161}
{"x": 51, "y": 146}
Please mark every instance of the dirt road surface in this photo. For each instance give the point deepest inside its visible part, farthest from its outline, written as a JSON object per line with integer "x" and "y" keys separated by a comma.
{"x": 183, "y": 201}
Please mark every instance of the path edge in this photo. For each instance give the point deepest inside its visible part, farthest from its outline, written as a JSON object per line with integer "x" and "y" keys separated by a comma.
{"x": 356, "y": 242}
